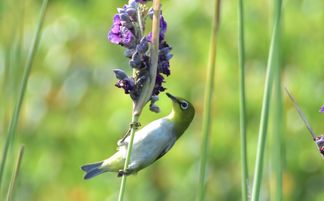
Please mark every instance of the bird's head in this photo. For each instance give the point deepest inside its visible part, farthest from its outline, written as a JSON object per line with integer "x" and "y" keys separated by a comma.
{"x": 182, "y": 113}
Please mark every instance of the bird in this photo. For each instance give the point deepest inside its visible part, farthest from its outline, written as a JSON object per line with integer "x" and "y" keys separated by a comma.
{"x": 150, "y": 143}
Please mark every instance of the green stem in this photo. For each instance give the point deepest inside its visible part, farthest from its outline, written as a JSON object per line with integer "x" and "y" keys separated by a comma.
{"x": 277, "y": 134}
{"x": 265, "y": 110}
{"x": 207, "y": 101}
{"x": 241, "y": 53}
{"x": 278, "y": 116}
{"x": 135, "y": 119}
{"x": 27, "y": 69}
{"x": 15, "y": 174}
{"x": 148, "y": 87}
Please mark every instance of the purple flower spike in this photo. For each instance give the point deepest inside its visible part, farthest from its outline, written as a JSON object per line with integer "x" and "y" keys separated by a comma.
{"x": 127, "y": 32}
{"x": 322, "y": 109}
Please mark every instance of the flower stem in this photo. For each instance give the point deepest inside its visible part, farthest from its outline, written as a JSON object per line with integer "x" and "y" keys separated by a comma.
{"x": 146, "y": 91}
{"x": 148, "y": 87}
{"x": 208, "y": 100}
{"x": 135, "y": 119}
{"x": 15, "y": 174}
{"x": 27, "y": 69}
{"x": 265, "y": 108}
{"x": 241, "y": 53}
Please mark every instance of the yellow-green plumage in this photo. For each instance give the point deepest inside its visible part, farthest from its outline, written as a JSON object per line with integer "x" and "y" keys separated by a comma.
{"x": 150, "y": 143}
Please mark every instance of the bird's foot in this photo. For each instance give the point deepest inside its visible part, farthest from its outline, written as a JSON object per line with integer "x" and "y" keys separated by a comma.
{"x": 133, "y": 125}
{"x": 122, "y": 142}
{"x": 122, "y": 173}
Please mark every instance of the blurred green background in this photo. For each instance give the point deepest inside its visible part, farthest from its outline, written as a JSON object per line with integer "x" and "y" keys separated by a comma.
{"x": 73, "y": 114}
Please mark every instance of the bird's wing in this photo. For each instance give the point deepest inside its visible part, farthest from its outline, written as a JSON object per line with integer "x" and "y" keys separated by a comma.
{"x": 165, "y": 150}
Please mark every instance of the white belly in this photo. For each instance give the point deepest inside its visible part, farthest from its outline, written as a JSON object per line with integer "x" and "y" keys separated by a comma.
{"x": 150, "y": 141}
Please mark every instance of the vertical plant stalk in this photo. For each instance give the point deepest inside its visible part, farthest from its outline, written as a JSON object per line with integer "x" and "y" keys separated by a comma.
{"x": 241, "y": 54}
{"x": 154, "y": 51}
{"x": 208, "y": 100}
{"x": 265, "y": 108}
{"x": 15, "y": 174}
{"x": 21, "y": 94}
{"x": 278, "y": 153}
{"x": 147, "y": 90}
{"x": 13, "y": 53}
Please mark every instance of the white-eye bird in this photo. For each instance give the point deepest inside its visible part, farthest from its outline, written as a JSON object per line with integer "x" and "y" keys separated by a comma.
{"x": 150, "y": 143}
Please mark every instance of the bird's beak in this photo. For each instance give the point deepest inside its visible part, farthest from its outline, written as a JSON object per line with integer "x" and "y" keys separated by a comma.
{"x": 173, "y": 98}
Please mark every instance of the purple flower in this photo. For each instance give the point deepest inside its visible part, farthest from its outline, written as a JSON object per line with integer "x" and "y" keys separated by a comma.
{"x": 163, "y": 25}
{"x": 163, "y": 29}
{"x": 127, "y": 84}
{"x": 142, "y": 1}
{"x": 120, "y": 34}
{"x": 322, "y": 109}
{"x": 164, "y": 57}
{"x": 158, "y": 85}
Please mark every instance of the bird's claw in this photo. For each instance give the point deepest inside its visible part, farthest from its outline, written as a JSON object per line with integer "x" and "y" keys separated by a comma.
{"x": 133, "y": 125}
{"x": 123, "y": 173}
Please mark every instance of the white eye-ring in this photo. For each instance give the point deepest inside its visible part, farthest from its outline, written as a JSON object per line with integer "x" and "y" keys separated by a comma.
{"x": 184, "y": 105}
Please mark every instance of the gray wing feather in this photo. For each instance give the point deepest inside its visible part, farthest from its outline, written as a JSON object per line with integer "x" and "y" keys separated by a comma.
{"x": 164, "y": 151}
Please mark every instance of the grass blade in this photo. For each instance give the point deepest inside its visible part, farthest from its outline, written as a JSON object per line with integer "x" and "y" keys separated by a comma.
{"x": 277, "y": 147}
{"x": 241, "y": 53}
{"x": 27, "y": 69}
{"x": 265, "y": 108}
{"x": 15, "y": 174}
{"x": 278, "y": 151}
{"x": 208, "y": 99}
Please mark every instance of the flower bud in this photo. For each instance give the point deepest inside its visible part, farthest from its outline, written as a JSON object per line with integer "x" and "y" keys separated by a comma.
{"x": 120, "y": 74}
{"x": 142, "y": 47}
{"x": 124, "y": 17}
{"x": 129, "y": 53}
{"x": 132, "y": 13}
{"x": 154, "y": 108}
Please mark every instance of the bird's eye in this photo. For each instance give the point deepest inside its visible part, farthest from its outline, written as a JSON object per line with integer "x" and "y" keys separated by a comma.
{"x": 184, "y": 105}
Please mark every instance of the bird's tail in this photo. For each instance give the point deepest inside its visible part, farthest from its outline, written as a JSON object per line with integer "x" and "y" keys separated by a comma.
{"x": 92, "y": 170}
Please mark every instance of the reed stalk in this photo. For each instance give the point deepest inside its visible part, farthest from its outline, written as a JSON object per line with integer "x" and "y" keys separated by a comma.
{"x": 271, "y": 68}
{"x": 206, "y": 122}
{"x": 277, "y": 146}
{"x": 243, "y": 121}
{"x": 22, "y": 90}
{"x": 14, "y": 177}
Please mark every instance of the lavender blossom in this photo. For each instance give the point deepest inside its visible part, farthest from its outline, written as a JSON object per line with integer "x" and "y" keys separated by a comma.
{"x": 142, "y": 1}
{"x": 322, "y": 109}
{"x": 126, "y": 31}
